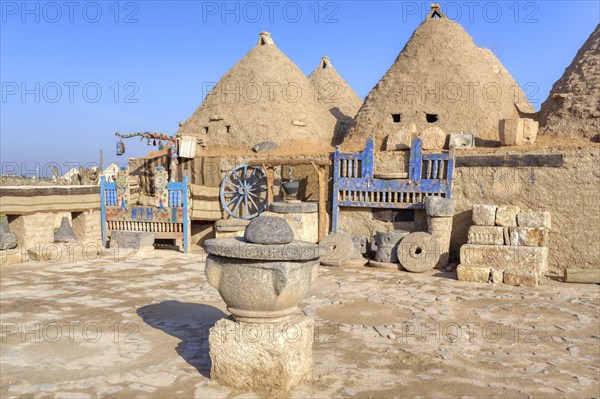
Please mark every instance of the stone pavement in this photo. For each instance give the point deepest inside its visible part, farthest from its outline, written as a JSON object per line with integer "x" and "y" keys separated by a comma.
{"x": 139, "y": 328}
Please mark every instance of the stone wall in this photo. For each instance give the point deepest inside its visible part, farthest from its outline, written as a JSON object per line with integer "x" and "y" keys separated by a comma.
{"x": 88, "y": 226}
{"x": 569, "y": 193}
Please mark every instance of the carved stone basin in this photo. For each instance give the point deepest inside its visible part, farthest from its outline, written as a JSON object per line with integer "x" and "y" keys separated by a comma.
{"x": 261, "y": 282}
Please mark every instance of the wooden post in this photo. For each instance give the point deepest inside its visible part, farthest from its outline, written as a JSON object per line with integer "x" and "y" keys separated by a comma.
{"x": 269, "y": 173}
{"x": 322, "y": 201}
{"x": 586, "y": 276}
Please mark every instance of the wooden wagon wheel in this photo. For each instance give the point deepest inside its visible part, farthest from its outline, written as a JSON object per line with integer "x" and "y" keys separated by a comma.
{"x": 244, "y": 192}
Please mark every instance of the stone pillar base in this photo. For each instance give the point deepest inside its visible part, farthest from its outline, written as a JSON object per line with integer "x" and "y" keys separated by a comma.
{"x": 264, "y": 358}
{"x": 441, "y": 229}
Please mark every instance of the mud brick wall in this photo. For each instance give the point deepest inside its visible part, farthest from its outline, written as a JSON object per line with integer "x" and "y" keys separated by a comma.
{"x": 569, "y": 193}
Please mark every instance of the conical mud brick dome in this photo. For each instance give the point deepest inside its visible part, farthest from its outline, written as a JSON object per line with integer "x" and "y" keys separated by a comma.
{"x": 264, "y": 97}
{"x": 573, "y": 107}
{"x": 336, "y": 95}
{"x": 441, "y": 78}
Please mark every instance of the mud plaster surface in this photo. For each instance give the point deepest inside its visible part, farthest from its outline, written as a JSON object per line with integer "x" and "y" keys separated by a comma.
{"x": 138, "y": 328}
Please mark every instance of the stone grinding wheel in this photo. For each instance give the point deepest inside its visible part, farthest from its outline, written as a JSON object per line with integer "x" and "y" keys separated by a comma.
{"x": 337, "y": 249}
{"x": 419, "y": 252}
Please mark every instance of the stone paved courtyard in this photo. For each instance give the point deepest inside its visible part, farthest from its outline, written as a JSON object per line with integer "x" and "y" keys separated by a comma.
{"x": 139, "y": 327}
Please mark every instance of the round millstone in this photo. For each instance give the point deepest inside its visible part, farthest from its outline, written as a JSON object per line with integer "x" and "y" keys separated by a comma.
{"x": 418, "y": 252}
{"x": 294, "y": 207}
{"x": 238, "y": 248}
{"x": 269, "y": 230}
{"x": 337, "y": 249}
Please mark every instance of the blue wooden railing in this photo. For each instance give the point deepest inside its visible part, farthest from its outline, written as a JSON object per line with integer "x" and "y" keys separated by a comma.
{"x": 355, "y": 186}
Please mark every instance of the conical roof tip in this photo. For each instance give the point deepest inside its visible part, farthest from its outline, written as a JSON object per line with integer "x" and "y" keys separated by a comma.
{"x": 436, "y": 11}
{"x": 325, "y": 63}
{"x": 264, "y": 38}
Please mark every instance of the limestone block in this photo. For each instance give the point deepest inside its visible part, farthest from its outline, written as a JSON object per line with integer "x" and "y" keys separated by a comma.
{"x": 88, "y": 226}
{"x": 486, "y": 235}
{"x": 264, "y": 358}
{"x": 484, "y": 215}
{"x": 534, "y": 219}
{"x": 400, "y": 140}
{"x": 230, "y": 228}
{"x": 529, "y": 236}
{"x": 440, "y": 207}
{"x": 305, "y": 225}
{"x": 33, "y": 229}
{"x": 433, "y": 138}
{"x": 441, "y": 229}
{"x": 526, "y": 279}
{"x": 518, "y": 131}
{"x": 506, "y": 215}
{"x": 506, "y": 235}
{"x": 229, "y": 234}
{"x": 476, "y": 274}
{"x": 140, "y": 240}
{"x": 507, "y": 258}
{"x": 461, "y": 141}
{"x": 497, "y": 276}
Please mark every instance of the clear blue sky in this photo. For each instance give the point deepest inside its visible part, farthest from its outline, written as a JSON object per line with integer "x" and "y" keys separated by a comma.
{"x": 151, "y": 59}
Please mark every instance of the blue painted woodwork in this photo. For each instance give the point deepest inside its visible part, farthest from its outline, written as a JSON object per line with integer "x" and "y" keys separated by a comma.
{"x": 171, "y": 222}
{"x": 354, "y": 185}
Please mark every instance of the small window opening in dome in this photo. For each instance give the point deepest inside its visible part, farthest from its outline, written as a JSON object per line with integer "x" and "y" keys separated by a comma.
{"x": 227, "y": 127}
{"x": 396, "y": 118}
{"x": 262, "y": 41}
{"x": 206, "y": 129}
{"x": 325, "y": 65}
{"x": 431, "y": 118}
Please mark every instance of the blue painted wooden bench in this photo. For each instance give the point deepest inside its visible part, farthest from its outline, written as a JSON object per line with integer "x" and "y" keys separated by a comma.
{"x": 354, "y": 185}
{"x": 169, "y": 219}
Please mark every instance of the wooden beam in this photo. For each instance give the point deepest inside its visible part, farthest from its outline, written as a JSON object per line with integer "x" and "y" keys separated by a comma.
{"x": 34, "y": 191}
{"x": 585, "y": 276}
{"x": 511, "y": 161}
{"x": 291, "y": 162}
{"x": 322, "y": 201}
{"x": 269, "y": 173}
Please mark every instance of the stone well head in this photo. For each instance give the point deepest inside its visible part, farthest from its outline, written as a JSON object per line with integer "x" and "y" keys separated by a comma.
{"x": 264, "y": 275}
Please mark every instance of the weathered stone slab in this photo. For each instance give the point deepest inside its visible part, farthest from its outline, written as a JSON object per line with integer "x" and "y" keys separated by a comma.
{"x": 225, "y": 224}
{"x": 486, "y": 235}
{"x": 529, "y": 236}
{"x": 518, "y": 131}
{"x": 400, "y": 140}
{"x": 433, "y": 138}
{"x": 503, "y": 257}
{"x": 140, "y": 240}
{"x": 269, "y": 359}
{"x": 534, "y": 219}
{"x": 526, "y": 279}
{"x": 440, "y": 207}
{"x": 461, "y": 141}
{"x": 506, "y": 215}
{"x": 484, "y": 215}
{"x": 476, "y": 274}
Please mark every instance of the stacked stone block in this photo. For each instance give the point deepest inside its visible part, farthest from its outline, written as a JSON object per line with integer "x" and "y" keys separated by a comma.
{"x": 439, "y": 224}
{"x": 505, "y": 245}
